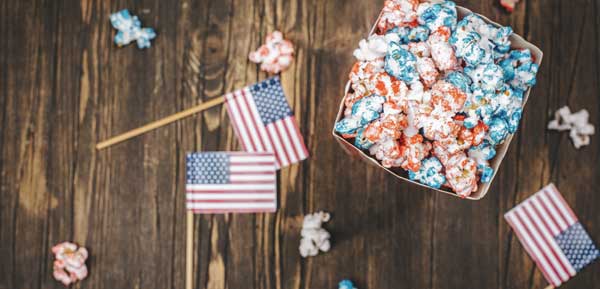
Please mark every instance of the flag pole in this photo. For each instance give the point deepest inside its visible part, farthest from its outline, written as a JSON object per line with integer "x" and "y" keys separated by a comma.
{"x": 189, "y": 250}
{"x": 549, "y": 287}
{"x": 161, "y": 122}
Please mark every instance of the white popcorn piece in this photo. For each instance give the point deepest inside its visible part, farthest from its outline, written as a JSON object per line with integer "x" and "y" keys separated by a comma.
{"x": 314, "y": 237}
{"x": 69, "y": 266}
{"x": 577, "y": 123}
{"x": 372, "y": 48}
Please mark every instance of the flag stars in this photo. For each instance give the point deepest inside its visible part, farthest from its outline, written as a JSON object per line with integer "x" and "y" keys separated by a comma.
{"x": 270, "y": 101}
{"x": 577, "y": 246}
{"x": 208, "y": 168}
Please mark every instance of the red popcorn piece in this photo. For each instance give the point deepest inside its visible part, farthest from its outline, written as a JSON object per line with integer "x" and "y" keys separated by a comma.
{"x": 69, "y": 266}
{"x": 275, "y": 55}
{"x": 450, "y": 97}
{"x": 441, "y": 51}
{"x": 509, "y": 5}
{"x": 360, "y": 79}
{"x": 385, "y": 85}
{"x": 398, "y": 13}
{"x": 388, "y": 152}
{"x": 413, "y": 150}
{"x": 390, "y": 127}
{"x": 461, "y": 174}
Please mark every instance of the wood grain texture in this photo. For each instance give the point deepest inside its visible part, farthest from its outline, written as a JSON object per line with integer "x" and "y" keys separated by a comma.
{"x": 64, "y": 86}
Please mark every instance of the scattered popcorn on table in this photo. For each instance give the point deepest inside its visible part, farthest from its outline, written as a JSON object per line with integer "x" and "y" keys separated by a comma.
{"x": 69, "y": 263}
{"x": 314, "y": 238}
{"x": 275, "y": 55}
{"x": 130, "y": 29}
{"x": 577, "y": 123}
{"x": 346, "y": 284}
{"x": 439, "y": 96}
{"x": 509, "y": 5}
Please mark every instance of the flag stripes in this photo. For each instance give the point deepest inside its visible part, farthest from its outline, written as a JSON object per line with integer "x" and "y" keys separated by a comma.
{"x": 231, "y": 182}
{"x": 538, "y": 221}
{"x": 277, "y": 133}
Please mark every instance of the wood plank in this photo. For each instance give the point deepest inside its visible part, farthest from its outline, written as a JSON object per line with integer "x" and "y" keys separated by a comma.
{"x": 64, "y": 86}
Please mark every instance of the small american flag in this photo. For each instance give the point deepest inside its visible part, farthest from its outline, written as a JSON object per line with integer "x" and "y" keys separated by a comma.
{"x": 264, "y": 122}
{"x": 552, "y": 235}
{"x": 224, "y": 182}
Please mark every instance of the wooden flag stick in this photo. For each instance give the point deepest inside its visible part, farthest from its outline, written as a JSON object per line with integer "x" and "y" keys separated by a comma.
{"x": 549, "y": 287}
{"x": 159, "y": 123}
{"x": 189, "y": 251}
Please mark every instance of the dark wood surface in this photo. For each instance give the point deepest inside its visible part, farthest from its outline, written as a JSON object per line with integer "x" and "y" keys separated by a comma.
{"x": 65, "y": 86}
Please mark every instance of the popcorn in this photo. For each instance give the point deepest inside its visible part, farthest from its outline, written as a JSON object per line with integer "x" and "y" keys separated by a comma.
{"x": 461, "y": 174}
{"x": 372, "y": 48}
{"x": 436, "y": 15}
{"x": 69, "y": 263}
{"x": 412, "y": 151}
{"x": 509, "y": 5}
{"x": 360, "y": 77}
{"x": 477, "y": 42}
{"x": 130, "y": 29}
{"x": 489, "y": 77}
{"x": 275, "y": 55}
{"x": 397, "y": 13}
{"x": 363, "y": 111}
{"x": 519, "y": 69}
{"x": 346, "y": 284}
{"x": 430, "y": 173}
{"x": 314, "y": 238}
{"x": 441, "y": 50}
{"x": 498, "y": 131}
{"x": 481, "y": 154}
{"x": 400, "y": 63}
{"x": 577, "y": 123}
{"x": 435, "y": 96}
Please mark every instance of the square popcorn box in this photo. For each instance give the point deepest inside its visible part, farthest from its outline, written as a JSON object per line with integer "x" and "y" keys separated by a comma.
{"x": 517, "y": 42}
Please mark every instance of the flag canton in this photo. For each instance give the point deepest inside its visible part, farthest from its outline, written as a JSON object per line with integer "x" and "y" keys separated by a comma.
{"x": 270, "y": 100}
{"x": 207, "y": 168}
{"x": 577, "y": 246}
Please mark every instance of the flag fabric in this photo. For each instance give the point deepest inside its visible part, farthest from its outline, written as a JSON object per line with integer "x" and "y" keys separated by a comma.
{"x": 231, "y": 182}
{"x": 552, "y": 235}
{"x": 263, "y": 122}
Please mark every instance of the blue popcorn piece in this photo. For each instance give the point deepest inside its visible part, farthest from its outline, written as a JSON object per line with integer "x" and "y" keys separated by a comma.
{"x": 501, "y": 40}
{"x": 513, "y": 120}
{"x": 347, "y": 125}
{"x": 362, "y": 113}
{"x": 479, "y": 106}
{"x": 130, "y": 29}
{"x": 481, "y": 154}
{"x": 429, "y": 174}
{"x": 346, "y": 284}
{"x": 361, "y": 141}
{"x": 486, "y": 173}
{"x": 498, "y": 131}
{"x": 460, "y": 80}
{"x": 489, "y": 77}
{"x": 400, "y": 63}
{"x": 478, "y": 42}
{"x": 436, "y": 15}
{"x": 418, "y": 34}
{"x": 467, "y": 47}
{"x": 398, "y": 35}
{"x": 405, "y": 35}
{"x": 519, "y": 69}
{"x": 368, "y": 108}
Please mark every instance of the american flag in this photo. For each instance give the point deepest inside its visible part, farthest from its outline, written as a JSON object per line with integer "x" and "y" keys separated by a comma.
{"x": 224, "y": 182}
{"x": 552, "y": 235}
{"x": 264, "y": 122}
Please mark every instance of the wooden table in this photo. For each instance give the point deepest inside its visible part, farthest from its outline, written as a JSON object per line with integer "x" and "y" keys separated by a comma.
{"x": 64, "y": 86}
